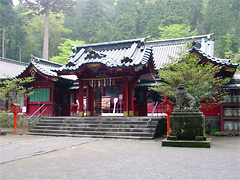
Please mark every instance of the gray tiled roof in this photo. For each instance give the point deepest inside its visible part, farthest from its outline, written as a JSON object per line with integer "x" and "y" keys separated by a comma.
{"x": 164, "y": 49}
{"x": 234, "y": 83}
{"x": 162, "y": 54}
{"x": 46, "y": 67}
{"x": 11, "y": 67}
{"x": 128, "y": 53}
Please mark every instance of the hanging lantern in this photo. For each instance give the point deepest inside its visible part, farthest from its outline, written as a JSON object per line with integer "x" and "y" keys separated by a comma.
{"x": 99, "y": 83}
{"x": 113, "y": 82}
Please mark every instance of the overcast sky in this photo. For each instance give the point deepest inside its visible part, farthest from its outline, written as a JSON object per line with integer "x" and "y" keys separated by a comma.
{"x": 15, "y": 2}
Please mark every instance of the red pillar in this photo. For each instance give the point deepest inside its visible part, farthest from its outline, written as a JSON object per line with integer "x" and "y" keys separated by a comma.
{"x": 80, "y": 110}
{"x": 89, "y": 100}
{"x": 92, "y": 101}
{"x": 125, "y": 97}
{"x": 15, "y": 123}
{"x": 130, "y": 99}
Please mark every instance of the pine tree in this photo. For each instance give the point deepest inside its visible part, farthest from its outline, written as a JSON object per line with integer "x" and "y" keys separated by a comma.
{"x": 200, "y": 79}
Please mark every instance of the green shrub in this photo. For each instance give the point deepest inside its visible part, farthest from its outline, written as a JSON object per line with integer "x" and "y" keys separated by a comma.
{"x": 216, "y": 132}
{"x": 6, "y": 119}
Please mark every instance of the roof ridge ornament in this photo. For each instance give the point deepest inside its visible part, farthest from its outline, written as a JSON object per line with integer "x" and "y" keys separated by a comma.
{"x": 126, "y": 60}
{"x": 94, "y": 54}
{"x": 196, "y": 44}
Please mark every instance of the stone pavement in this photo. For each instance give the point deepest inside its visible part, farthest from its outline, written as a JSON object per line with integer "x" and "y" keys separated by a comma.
{"x": 33, "y": 157}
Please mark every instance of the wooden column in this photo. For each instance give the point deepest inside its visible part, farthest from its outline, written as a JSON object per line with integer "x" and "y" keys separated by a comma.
{"x": 92, "y": 101}
{"x": 89, "y": 100}
{"x": 130, "y": 99}
{"x": 125, "y": 97}
{"x": 81, "y": 110}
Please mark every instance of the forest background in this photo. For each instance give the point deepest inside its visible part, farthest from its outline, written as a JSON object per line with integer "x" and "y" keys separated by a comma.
{"x": 22, "y": 28}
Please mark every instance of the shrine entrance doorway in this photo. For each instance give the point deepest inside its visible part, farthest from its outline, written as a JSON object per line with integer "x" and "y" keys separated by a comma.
{"x": 108, "y": 101}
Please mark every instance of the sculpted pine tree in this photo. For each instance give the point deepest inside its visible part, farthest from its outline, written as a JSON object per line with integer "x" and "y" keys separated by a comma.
{"x": 200, "y": 79}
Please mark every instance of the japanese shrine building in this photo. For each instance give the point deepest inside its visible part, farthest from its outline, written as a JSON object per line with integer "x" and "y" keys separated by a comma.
{"x": 108, "y": 77}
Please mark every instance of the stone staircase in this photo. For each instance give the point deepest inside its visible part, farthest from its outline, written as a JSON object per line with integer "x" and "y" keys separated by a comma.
{"x": 96, "y": 127}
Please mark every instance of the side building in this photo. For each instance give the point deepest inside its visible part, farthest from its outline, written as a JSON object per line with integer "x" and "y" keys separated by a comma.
{"x": 8, "y": 69}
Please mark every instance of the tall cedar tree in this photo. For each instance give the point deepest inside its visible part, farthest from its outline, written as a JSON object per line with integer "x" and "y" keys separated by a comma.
{"x": 6, "y": 16}
{"x": 45, "y": 7}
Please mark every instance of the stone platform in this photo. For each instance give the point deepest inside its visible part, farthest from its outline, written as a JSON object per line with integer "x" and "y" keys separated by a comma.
{"x": 187, "y": 129}
{"x": 188, "y": 143}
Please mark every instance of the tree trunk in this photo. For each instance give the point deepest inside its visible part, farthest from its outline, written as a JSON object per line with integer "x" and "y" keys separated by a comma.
{"x": 46, "y": 31}
{"x": 20, "y": 53}
{"x": 3, "y": 42}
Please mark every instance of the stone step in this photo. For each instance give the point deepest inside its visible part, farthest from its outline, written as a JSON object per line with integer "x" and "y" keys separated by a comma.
{"x": 102, "y": 133}
{"x": 93, "y": 136}
{"x": 140, "y": 118}
{"x": 96, "y": 121}
{"x": 134, "y": 129}
{"x": 103, "y": 121}
{"x": 98, "y": 127}
{"x": 116, "y": 125}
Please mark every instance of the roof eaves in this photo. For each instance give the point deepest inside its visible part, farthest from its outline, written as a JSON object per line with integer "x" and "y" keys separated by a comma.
{"x": 13, "y": 61}
{"x": 226, "y": 62}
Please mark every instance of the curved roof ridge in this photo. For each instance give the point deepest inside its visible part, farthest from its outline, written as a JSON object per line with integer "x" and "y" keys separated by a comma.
{"x": 44, "y": 66}
{"x": 40, "y": 60}
{"x": 173, "y": 41}
{"x": 111, "y": 42}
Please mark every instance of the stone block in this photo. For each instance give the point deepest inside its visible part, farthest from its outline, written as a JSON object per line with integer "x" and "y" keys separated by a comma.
{"x": 187, "y": 143}
{"x": 187, "y": 126}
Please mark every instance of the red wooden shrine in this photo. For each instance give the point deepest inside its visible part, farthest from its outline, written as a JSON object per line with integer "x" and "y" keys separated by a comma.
{"x": 111, "y": 77}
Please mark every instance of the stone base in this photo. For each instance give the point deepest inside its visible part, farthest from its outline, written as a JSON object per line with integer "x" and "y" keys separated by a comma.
{"x": 188, "y": 143}
{"x": 187, "y": 126}
{"x": 196, "y": 138}
{"x": 2, "y": 133}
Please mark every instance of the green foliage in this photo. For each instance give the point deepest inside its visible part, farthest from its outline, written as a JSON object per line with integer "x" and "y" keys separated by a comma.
{"x": 35, "y": 31}
{"x": 175, "y": 31}
{"x": 6, "y": 119}
{"x": 199, "y": 78}
{"x": 94, "y": 15}
{"x": 109, "y": 20}
{"x": 223, "y": 18}
{"x": 56, "y": 6}
{"x": 125, "y": 28}
{"x": 216, "y": 132}
{"x": 13, "y": 86}
{"x": 65, "y": 50}
{"x": 7, "y": 16}
{"x": 168, "y": 12}
{"x": 47, "y": 7}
